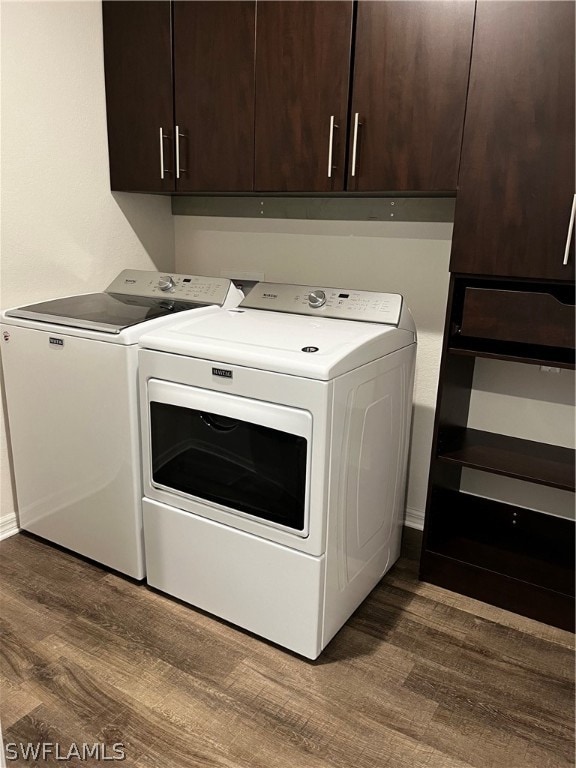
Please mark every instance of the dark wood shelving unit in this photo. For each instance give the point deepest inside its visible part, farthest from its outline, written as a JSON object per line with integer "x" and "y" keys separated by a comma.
{"x": 511, "y": 556}
{"x": 535, "y": 462}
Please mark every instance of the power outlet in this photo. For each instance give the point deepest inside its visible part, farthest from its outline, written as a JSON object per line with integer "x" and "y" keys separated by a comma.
{"x": 549, "y": 369}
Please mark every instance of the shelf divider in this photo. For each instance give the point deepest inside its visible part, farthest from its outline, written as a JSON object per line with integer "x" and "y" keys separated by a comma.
{"x": 499, "y": 351}
{"x": 541, "y": 463}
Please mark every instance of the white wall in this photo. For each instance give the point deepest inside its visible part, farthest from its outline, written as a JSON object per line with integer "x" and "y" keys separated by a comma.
{"x": 63, "y": 231}
{"x": 521, "y": 400}
{"x": 411, "y": 259}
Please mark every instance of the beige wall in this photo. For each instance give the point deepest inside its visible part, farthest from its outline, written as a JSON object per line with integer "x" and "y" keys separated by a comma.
{"x": 411, "y": 259}
{"x": 62, "y": 230}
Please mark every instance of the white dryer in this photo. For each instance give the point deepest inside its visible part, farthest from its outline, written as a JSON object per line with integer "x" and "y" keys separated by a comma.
{"x": 70, "y": 370}
{"x": 275, "y": 443}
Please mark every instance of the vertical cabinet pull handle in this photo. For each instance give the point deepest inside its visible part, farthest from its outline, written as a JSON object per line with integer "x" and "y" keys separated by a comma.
{"x": 163, "y": 170}
{"x": 179, "y": 170}
{"x": 355, "y": 142}
{"x": 333, "y": 125}
{"x": 161, "y": 153}
{"x": 570, "y": 230}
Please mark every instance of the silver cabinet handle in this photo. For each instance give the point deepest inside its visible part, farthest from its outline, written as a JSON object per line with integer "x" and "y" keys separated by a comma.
{"x": 161, "y": 153}
{"x": 331, "y": 145}
{"x": 163, "y": 170}
{"x": 570, "y": 230}
{"x": 178, "y": 169}
{"x": 355, "y": 143}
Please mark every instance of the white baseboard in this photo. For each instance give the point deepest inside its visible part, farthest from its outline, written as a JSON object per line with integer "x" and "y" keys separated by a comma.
{"x": 414, "y": 518}
{"x": 8, "y": 526}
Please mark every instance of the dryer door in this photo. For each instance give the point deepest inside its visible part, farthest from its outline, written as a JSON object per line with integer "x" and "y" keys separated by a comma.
{"x": 247, "y": 457}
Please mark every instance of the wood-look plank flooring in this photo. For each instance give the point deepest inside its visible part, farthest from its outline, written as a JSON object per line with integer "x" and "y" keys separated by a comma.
{"x": 418, "y": 678}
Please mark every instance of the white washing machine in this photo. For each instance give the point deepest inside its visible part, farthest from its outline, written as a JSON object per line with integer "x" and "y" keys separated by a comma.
{"x": 275, "y": 443}
{"x": 70, "y": 371}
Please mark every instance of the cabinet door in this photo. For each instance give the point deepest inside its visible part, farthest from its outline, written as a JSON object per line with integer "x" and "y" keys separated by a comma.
{"x": 138, "y": 72}
{"x": 516, "y": 183}
{"x": 214, "y": 95}
{"x": 302, "y": 73}
{"x": 411, "y": 69}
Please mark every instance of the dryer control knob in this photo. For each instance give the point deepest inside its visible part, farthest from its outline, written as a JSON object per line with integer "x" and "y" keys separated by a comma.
{"x": 166, "y": 283}
{"x": 317, "y": 299}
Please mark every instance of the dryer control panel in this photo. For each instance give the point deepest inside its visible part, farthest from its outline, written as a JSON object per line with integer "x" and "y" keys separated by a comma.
{"x": 338, "y": 303}
{"x": 148, "y": 284}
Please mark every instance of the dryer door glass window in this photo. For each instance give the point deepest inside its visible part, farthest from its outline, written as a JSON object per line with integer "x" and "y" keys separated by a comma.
{"x": 242, "y": 466}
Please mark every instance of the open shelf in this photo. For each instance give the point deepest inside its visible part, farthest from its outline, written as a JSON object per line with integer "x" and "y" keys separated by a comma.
{"x": 518, "y": 543}
{"x": 535, "y": 462}
{"x": 513, "y": 320}
{"x": 558, "y": 358}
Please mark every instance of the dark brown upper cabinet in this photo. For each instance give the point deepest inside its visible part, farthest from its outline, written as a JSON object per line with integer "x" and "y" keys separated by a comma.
{"x": 190, "y": 129}
{"x": 138, "y": 71}
{"x": 302, "y": 78}
{"x": 247, "y": 95}
{"x": 411, "y": 67}
{"x": 214, "y": 95}
{"x": 516, "y": 184}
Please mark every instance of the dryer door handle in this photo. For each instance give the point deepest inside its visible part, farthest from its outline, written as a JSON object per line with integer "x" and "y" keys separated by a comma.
{"x": 218, "y": 423}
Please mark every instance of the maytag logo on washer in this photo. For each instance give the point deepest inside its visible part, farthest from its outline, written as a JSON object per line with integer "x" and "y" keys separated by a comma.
{"x": 223, "y": 372}
{"x": 54, "y": 342}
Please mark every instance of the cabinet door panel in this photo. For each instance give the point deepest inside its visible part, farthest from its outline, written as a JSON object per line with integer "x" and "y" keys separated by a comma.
{"x": 138, "y": 71}
{"x": 302, "y": 74}
{"x": 411, "y": 69}
{"x": 516, "y": 181}
{"x": 214, "y": 94}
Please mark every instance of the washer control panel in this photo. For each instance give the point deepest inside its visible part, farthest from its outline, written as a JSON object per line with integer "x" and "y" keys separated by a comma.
{"x": 196, "y": 288}
{"x": 342, "y": 304}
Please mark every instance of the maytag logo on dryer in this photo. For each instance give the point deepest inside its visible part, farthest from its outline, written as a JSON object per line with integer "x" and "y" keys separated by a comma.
{"x": 224, "y": 373}
{"x": 55, "y": 342}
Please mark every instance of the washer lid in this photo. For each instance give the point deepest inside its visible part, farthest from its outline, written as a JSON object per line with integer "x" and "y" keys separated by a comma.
{"x": 107, "y": 312}
{"x": 316, "y": 348}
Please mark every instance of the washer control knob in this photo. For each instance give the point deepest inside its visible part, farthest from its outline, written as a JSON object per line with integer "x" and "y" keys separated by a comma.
{"x": 317, "y": 299}
{"x": 166, "y": 283}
